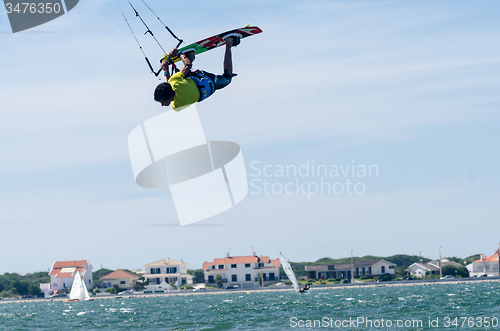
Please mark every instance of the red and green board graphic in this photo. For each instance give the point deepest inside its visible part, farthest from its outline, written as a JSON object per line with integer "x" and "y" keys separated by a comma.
{"x": 216, "y": 41}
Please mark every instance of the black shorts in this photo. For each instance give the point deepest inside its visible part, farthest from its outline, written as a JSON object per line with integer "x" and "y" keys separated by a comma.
{"x": 220, "y": 81}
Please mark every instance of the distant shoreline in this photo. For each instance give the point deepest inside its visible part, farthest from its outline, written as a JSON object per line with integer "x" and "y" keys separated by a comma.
{"x": 272, "y": 289}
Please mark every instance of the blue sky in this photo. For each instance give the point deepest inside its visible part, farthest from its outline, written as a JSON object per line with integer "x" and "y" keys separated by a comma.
{"x": 409, "y": 87}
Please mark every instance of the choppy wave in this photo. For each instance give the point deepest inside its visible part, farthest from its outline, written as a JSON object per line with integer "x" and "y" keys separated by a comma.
{"x": 263, "y": 311}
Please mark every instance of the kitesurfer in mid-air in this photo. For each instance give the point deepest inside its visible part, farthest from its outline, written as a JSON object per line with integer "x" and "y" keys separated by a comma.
{"x": 187, "y": 87}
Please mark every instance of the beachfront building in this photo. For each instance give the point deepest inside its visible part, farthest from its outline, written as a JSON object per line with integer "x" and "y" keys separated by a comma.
{"x": 120, "y": 278}
{"x": 62, "y": 275}
{"x": 168, "y": 271}
{"x": 343, "y": 270}
{"x": 420, "y": 269}
{"x": 242, "y": 271}
{"x": 486, "y": 265}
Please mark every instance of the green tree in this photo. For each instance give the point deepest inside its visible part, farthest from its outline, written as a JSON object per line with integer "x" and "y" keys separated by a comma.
{"x": 9, "y": 294}
{"x": 218, "y": 281}
{"x": 454, "y": 271}
{"x": 386, "y": 277}
{"x": 34, "y": 288}
{"x": 22, "y": 287}
{"x": 198, "y": 274}
{"x": 113, "y": 290}
{"x": 472, "y": 258}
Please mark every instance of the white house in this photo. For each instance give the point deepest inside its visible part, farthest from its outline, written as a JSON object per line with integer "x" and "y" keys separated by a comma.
{"x": 123, "y": 279}
{"x": 420, "y": 269}
{"x": 62, "y": 275}
{"x": 242, "y": 271}
{"x": 486, "y": 265}
{"x": 343, "y": 270}
{"x": 167, "y": 271}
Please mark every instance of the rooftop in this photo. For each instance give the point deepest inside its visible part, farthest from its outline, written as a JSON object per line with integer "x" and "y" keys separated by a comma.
{"x": 241, "y": 260}
{"x": 119, "y": 274}
{"x": 164, "y": 262}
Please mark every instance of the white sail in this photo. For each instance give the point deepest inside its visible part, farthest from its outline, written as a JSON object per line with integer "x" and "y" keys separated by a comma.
{"x": 79, "y": 290}
{"x": 76, "y": 289}
{"x": 85, "y": 293}
{"x": 289, "y": 272}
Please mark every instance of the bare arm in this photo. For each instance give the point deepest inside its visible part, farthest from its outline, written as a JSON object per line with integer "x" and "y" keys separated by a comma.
{"x": 187, "y": 65}
{"x": 164, "y": 66}
{"x": 187, "y": 62}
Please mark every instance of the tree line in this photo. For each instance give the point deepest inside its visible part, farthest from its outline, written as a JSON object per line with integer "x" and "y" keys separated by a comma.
{"x": 13, "y": 284}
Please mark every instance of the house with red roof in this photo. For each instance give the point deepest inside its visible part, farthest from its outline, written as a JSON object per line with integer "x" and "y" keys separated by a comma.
{"x": 123, "y": 279}
{"x": 63, "y": 274}
{"x": 486, "y": 265}
{"x": 242, "y": 271}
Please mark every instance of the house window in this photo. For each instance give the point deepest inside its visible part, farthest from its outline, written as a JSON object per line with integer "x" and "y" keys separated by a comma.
{"x": 212, "y": 267}
{"x": 271, "y": 276}
{"x": 211, "y": 279}
{"x": 383, "y": 269}
{"x": 369, "y": 270}
{"x": 221, "y": 266}
{"x": 109, "y": 284}
{"x": 363, "y": 271}
{"x": 264, "y": 276}
{"x": 122, "y": 282}
{"x": 155, "y": 271}
{"x": 247, "y": 265}
{"x": 248, "y": 277}
{"x": 391, "y": 267}
{"x": 233, "y": 266}
{"x": 357, "y": 271}
{"x": 260, "y": 265}
{"x": 172, "y": 270}
{"x": 234, "y": 278}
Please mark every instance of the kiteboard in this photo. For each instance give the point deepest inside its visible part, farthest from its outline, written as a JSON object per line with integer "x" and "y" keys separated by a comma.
{"x": 213, "y": 42}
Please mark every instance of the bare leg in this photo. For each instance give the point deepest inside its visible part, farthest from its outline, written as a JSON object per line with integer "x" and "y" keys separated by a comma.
{"x": 190, "y": 55}
{"x": 228, "y": 60}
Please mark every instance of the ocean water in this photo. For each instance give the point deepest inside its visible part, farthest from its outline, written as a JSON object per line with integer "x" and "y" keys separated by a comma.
{"x": 472, "y": 306}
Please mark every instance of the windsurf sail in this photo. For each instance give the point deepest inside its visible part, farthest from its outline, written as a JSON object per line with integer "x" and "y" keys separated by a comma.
{"x": 289, "y": 272}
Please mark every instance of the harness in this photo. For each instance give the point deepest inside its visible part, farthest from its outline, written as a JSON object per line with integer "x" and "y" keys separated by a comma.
{"x": 204, "y": 84}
